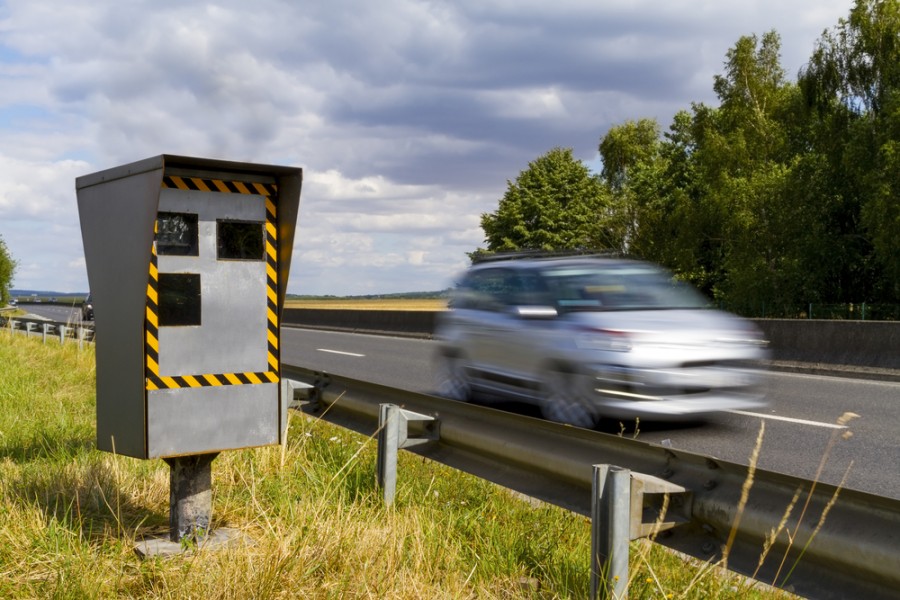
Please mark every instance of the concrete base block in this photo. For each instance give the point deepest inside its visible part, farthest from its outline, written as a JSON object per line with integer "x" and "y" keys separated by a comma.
{"x": 164, "y": 547}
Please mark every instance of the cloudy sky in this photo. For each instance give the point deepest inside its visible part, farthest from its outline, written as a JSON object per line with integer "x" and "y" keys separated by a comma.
{"x": 407, "y": 116}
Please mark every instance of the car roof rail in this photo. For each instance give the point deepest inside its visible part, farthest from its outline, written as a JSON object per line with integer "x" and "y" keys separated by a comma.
{"x": 482, "y": 256}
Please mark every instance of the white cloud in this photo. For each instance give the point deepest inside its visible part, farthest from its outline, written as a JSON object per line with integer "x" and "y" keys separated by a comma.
{"x": 408, "y": 116}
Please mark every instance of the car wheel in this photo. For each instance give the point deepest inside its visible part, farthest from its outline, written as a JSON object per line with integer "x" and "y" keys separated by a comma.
{"x": 452, "y": 380}
{"x": 561, "y": 402}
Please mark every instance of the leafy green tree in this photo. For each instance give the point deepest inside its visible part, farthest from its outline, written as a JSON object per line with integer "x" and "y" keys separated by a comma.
{"x": 745, "y": 165}
{"x": 855, "y": 65}
{"x": 555, "y": 204}
{"x": 7, "y": 270}
{"x": 626, "y": 147}
{"x": 852, "y": 86}
{"x": 706, "y": 200}
{"x": 785, "y": 193}
{"x": 631, "y": 162}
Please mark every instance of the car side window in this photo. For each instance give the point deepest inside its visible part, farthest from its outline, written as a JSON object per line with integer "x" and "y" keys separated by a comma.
{"x": 529, "y": 289}
{"x": 485, "y": 289}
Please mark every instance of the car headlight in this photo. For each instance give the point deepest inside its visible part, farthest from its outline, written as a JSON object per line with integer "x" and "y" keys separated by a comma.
{"x": 610, "y": 340}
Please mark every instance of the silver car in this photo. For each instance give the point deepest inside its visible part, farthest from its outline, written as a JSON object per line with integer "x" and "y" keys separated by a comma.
{"x": 590, "y": 337}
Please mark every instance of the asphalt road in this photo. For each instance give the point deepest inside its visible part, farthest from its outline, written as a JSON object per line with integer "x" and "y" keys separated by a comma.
{"x": 801, "y": 435}
{"x": 54, "y": 312}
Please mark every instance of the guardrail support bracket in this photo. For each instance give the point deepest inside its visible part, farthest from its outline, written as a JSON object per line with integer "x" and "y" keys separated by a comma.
{"x": 289, "y": 399}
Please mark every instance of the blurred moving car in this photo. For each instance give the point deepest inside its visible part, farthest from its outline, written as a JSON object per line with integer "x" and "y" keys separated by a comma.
{"x": 585, "y": 337}
{"x": 87, "y": 309}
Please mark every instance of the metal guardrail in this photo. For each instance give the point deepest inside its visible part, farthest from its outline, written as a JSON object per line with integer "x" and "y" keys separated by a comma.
{"x": 809, "y": 538}
{"x": 62, "y": 331}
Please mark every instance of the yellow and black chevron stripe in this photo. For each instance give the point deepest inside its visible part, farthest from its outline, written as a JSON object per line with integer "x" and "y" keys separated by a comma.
{"x": 218, "y": 185}
{"x": 155, "y": 381}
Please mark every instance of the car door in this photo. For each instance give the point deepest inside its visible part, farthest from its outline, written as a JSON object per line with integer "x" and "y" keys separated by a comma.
{"x": 480, "y": 319}
{"x": 524, "y": 334}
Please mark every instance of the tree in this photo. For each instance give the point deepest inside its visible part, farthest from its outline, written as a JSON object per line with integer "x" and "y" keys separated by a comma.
{"x": 852, "y": 88}
{"x": 625, "y": 147}
{"x": 855, "y": 65}
{"x": 703, "y": 201}
{"x": 785, "y": 193}
{"x": 631, "y": 163}
{"x": 7, "y": 270}
{"x": 555, "y": 204}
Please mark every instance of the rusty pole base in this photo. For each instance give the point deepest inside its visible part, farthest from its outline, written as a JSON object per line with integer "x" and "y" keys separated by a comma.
{"x": 190, "y": 510}
{"x": 190, "y": 497}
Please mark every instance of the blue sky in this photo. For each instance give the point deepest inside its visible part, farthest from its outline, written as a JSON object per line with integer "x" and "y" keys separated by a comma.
{"x": 408, "y": 117}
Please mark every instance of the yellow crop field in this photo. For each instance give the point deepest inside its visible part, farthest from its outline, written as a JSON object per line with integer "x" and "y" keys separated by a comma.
{"x": 369, "y": 303}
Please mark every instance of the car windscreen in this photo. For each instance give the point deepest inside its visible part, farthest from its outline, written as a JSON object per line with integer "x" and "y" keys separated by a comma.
{"x": 625, "y": 287}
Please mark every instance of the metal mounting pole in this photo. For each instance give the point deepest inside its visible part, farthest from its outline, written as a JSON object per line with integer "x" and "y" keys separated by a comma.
{"x": 393, "y": 434}
{"x": 190, "y": 496}
{"x": 190, "y": 511}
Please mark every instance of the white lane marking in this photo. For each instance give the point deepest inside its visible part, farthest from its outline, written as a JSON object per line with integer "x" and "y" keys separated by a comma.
{"x": 848, "y": 380}
{"x": 339, "y": 352}
{"x": 788, "y": 419}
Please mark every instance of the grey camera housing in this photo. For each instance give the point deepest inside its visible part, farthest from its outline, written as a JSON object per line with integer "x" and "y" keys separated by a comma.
{"x": 188, "y": 262}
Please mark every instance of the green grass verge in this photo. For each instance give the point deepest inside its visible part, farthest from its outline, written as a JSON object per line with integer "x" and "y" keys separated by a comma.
{"x": 314, "y": 524}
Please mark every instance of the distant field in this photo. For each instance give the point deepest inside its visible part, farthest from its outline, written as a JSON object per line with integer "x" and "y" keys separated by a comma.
{"x": 370, "y": 303}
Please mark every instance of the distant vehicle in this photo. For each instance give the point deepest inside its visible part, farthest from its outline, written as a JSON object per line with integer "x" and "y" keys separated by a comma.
{"x": 87, "y": 309}
{"x": 13, "y": 302}
{"x": 588, "y": 337}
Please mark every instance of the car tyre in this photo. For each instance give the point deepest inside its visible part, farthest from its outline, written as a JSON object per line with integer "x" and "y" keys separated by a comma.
{"x": 452, "y": 380}
{"x": 562, "y": 403}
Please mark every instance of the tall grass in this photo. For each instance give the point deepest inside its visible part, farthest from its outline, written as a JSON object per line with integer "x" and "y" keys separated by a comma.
{"x": 313, "y": 522}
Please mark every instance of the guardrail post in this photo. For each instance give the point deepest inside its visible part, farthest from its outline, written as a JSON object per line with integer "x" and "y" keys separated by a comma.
{"x": 393, "y": 434}
{"x": 44, "y": 327}
{"x": 610, "y": 532}
{"x": 620, "y": 504}
{"x": 62, "y": 333}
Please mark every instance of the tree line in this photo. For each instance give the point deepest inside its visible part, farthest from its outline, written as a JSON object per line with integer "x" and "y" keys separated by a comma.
{"x": 787, "y": 192}
{"x": 7, "y": 270}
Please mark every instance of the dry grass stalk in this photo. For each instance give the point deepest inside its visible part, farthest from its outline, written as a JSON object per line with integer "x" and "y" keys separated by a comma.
{"x": 745, "y": 493}
{"x": 843, "y": 420}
